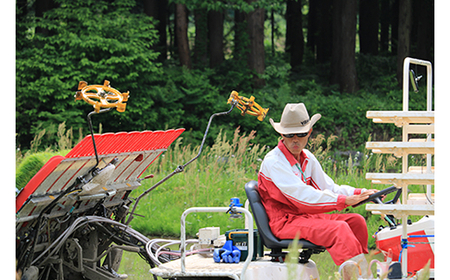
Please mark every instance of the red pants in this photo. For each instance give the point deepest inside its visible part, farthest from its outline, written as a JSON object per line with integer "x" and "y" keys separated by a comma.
{"x": 343, "y": 235}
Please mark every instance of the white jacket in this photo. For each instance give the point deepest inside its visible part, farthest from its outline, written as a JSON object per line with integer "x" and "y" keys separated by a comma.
{"x": 310, "y": 190}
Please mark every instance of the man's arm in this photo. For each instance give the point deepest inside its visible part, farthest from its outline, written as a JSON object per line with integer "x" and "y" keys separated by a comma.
{"x": 355, "y": 199}
{"x": 280, "y": 184}
{"x": 322, "y": 181}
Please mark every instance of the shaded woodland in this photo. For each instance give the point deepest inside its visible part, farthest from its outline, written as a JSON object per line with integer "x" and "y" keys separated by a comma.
{"x": 180, "y": 59}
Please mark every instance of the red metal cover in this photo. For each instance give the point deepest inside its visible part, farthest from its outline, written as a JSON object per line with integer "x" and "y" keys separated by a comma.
{"x": 418, "y": 254}
{"x": 122, "y": 142}
{"x": 36, "y": 180}
{"x": 134, "y": 150}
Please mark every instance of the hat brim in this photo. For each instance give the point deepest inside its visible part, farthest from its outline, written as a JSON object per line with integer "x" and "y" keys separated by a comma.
{"x": 297, "y": 129}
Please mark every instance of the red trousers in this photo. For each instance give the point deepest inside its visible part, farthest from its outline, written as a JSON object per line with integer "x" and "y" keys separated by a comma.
{"x": 343, "y": 235}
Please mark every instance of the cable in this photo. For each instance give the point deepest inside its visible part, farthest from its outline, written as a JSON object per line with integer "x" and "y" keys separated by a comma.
{"x": 60, "y": 240}
{"x": 155, "y": 257}
{"x": 79, "y": 222}
{"x": 425, "y": 191}
{"x": 188, "y": 253}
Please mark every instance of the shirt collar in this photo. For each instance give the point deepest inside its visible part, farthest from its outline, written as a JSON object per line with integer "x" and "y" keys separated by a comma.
{"x": 291, "y": 157}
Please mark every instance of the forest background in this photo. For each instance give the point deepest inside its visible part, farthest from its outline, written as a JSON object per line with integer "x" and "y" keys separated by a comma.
{"x": 180, "y": 60}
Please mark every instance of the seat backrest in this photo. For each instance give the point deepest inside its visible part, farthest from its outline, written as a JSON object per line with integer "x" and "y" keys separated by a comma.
{"x": 260, "y": 215}
{"x": 262, "y": 222}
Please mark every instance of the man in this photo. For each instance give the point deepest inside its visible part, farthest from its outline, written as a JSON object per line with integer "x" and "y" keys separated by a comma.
{"x": 297, "y": 193}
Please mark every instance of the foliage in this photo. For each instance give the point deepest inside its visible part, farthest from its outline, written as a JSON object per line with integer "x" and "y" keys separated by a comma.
{"x": 342, "y": 114}
{"x": 98, "y": 40}
{"x": 241, "y": 5}
{"x": 292, "y": 258}
{"x": 216, "y": 176}
{"x": 30, "y": 164}
{"x": 82, "y": 40}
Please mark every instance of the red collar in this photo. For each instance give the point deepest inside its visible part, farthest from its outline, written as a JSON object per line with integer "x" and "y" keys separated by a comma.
{"x": 290, "y": 157}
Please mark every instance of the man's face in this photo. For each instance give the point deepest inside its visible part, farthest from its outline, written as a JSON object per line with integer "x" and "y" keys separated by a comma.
{"x": 296, "y": 144}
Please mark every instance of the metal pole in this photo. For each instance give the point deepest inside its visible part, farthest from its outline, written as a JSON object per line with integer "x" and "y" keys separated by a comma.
{"x": 429, "y": 108}
{"x": 92, "y": 135}
{"x": 405, "y": 87}
{"x": 179, "y": 168}
{"x": 404, "y": 187}
{"x": 406, "y": 65}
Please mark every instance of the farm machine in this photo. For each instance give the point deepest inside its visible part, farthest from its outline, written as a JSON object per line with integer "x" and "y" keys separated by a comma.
{"x": 73, "y": 217}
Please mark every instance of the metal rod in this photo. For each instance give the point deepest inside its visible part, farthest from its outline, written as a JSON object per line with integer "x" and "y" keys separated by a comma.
{"x": 179, "y": 168}
{"x": 35, "y": 227}
{"x": 421, "y": 236}
{"x": 92, "y": 134}
{"x": 406, "y": 63}
{"x": 207, "y": 129}
{"x": 122, "y": 247}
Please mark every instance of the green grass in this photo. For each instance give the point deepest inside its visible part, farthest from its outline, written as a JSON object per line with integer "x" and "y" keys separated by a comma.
{"x": 219, "y": 174}
{"x": 134, "y": 266}
{"x": 30, "y": 164}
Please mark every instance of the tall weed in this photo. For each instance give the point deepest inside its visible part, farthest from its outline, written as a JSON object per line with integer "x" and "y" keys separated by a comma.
{"x": 37, "y": 141}
{"x": 64, "y": 142}
{"x": 65, "y": 137}
{"x": 219, "y": 174}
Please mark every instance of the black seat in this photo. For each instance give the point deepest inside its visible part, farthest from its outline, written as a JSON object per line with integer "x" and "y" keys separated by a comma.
{"x": 269, "y": 240}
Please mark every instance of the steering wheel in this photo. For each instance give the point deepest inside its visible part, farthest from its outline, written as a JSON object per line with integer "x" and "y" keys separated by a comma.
{"x": 376, "y": 197}
{"x": 102, "y": 96}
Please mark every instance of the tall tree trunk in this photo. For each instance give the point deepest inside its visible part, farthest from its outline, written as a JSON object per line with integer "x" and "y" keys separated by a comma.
{"x": 425, "y": 29}
{"x": 368, "y": 26}
{"x": 240, "y": 50}
{"x": 336, "y": 51}
{"x": 215, "y": 34}
{"x": 201, "y": 38}
{"x": 312, "y": 26}
{"x": 325, "y": 27}
{"x": 394, "y": 26}
{"x": 348, "y": 76}
{"x": 404, "y": 36}
{"x": 158, "y": 9}
{"x": 344, "y": 37}
{"x": 294, "y": 33}
{"x": 384, "y": 26}
{"x": 182, "y": 36}
{"x": 171, "y": 26}
{"x": 255, "y": 29}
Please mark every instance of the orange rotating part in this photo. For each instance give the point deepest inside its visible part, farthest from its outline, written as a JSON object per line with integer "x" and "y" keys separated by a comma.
{"x": 102, "y": 96}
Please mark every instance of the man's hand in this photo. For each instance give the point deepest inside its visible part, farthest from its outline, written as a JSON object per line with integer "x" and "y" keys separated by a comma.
{"x": 355, "y": 199}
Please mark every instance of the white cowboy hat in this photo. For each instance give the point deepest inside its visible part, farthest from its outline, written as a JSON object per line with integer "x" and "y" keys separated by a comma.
{"x": 295, "y": 119}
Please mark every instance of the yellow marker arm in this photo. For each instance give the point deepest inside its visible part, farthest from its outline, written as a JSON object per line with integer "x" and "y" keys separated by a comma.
{"x": 248, "y": 105}
{"x": 102, "y": 96}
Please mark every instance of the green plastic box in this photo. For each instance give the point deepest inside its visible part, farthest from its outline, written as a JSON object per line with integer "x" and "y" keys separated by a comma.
{"x": 240, "y": 240}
